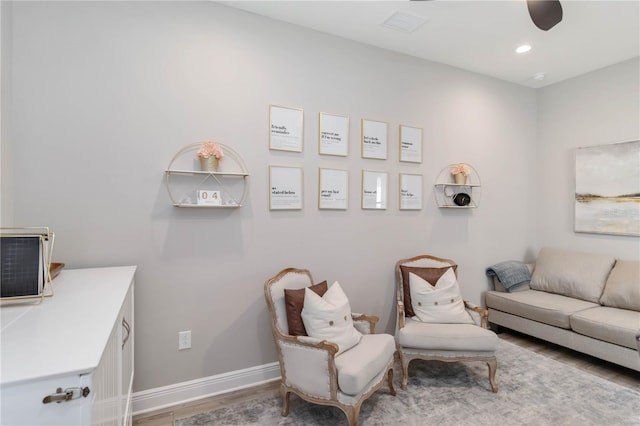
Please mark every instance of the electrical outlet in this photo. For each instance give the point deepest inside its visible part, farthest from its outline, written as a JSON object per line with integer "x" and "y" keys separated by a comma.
{"x": 184, "y": 340}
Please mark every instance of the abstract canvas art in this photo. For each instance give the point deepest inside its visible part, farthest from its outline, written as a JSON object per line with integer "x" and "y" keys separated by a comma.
{"x": 607, "y": 197}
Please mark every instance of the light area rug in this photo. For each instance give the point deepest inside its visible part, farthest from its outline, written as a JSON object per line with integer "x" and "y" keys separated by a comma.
{"x": 532, "y": 390}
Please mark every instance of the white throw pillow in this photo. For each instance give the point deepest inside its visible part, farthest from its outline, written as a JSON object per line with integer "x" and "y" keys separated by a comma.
{"x": 442, "y": 303}
{"x": 329, "y": 317}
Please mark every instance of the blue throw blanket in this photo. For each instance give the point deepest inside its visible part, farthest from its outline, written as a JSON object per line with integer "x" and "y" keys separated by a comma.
{"x": 511, "y": 273}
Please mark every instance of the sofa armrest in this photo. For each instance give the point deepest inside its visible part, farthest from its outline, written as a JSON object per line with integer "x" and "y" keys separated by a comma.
{"x": 480, "y": 315}
{"x": 365, "y": 324}
{"x": 498, "y": 286}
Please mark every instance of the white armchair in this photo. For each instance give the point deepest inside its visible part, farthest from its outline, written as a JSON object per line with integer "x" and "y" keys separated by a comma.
{"x": 311, "y": 369}
{"x": 439, "y": 341}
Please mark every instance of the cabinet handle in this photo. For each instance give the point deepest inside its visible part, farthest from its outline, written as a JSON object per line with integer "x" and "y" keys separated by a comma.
{"x": 127, "y": 327}
{"x": 66, "y": 395}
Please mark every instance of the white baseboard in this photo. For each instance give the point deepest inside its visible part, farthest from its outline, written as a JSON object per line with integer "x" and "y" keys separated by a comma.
{"x": 179, "y": 393}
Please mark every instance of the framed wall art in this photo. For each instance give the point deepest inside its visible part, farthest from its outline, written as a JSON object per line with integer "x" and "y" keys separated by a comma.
{"x": 374, "y": 139}
{"x": 333, "y": 136}
{"x": 285, "y": 128}
{"x": 333, "y": 189}
{"x": 410, "y": 192}
{"x": 374, "y": 190}
{"x": 410, "y": 144}
{"x": 285, "y": 188}
{"x": 607, "y": 196}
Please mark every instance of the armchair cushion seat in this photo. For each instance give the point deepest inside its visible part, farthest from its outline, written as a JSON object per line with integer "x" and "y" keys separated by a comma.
{"x": 447, "y": 337}
{"x": 358, "y": 366}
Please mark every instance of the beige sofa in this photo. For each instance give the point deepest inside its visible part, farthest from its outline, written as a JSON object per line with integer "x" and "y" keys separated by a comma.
{"x": 586, "y": 302}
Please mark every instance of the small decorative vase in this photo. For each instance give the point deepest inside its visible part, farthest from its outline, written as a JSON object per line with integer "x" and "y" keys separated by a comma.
{"x": 460, "y": 178}
{"x": 209, "y": 164}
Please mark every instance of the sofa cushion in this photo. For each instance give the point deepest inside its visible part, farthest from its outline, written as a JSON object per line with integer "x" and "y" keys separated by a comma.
{"x": 571, "y": 273}
{"x": 613, "y": 325}
{"x": 547, "y": 308}
{"x": 623, "y": 286}
{"x": 362, "y": 363}
{"x": 446, "y": 337}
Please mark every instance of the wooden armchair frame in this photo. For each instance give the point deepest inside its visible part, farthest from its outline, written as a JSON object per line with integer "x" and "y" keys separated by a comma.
{"x": 317, "y": 355}
{"x": 407, "y": 354}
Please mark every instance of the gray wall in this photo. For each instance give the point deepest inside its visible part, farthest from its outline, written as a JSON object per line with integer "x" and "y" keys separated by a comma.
{"x": 601, "y": 107}
{"x": 104, "y": 94}
{"x": 6, "y": 178}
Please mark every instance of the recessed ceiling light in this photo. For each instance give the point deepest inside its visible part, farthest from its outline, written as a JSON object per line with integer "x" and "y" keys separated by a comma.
{"x": 523, "y": 48}
{"x": 404, "y": 22}
{"x": 539, "y": 76}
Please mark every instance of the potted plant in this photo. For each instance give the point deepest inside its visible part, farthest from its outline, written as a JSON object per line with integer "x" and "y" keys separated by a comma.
{"x": 460, "y": 173}
{"x": 210, "y": 154}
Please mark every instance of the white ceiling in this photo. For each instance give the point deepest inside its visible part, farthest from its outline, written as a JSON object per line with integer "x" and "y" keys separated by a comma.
{"x": 479, "y": 36}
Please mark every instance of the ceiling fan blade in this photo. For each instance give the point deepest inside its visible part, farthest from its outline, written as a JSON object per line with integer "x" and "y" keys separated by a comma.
{"x": 545, "y": 14}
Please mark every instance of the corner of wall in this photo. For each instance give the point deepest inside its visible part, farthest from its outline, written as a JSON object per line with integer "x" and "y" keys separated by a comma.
{"x": 6, "y": 169}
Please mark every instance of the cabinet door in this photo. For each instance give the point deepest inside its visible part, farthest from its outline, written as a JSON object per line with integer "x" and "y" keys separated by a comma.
{"x": 114, "y": 375}
{"x": 105, "y": 384}
{"x": 127, "y": 337}
{"x": 21, "y": 404}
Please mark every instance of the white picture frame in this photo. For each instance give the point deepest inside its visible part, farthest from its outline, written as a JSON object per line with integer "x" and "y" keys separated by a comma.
{"x": 333, "y": 189}
{"x": 410, "y": 191}
{"x": 286, "y": 128}
{"x": 374, "y": 142}
{"x": 333, "y": 134}
{"x": 410, "y": 144}
{"x": 285, "y": 188}
{"x": 375, "y": 188}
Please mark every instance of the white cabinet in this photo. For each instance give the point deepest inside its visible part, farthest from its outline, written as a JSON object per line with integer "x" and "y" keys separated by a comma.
{"x": 126, "y": 368}
{"x": 81, "y": 339}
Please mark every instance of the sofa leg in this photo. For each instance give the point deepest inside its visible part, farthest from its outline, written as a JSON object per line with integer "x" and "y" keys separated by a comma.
{"x": 495, "y": 328}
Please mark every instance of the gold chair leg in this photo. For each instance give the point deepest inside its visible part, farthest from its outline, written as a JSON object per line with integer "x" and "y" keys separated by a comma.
{"x": 284, "y": 394}
{"x": 405, "y": 371}
{"x": 352, "y": 414}
{"x": 391, "y": 388}
{"x": 493, "y": 366}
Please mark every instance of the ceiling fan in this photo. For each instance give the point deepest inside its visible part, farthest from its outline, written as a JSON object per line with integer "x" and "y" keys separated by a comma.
{"x": 545, "y": 14}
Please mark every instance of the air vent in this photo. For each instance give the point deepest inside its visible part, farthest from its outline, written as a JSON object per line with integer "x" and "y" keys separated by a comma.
{"x": 404, "y": 22}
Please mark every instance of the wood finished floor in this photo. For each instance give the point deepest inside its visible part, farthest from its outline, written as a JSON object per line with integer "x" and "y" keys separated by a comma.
{"x": 612, "y": 372}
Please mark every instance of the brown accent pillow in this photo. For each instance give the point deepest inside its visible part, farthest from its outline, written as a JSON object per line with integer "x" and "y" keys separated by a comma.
{"x": 431, "y": 275}
{"x": 294, "y": 302}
